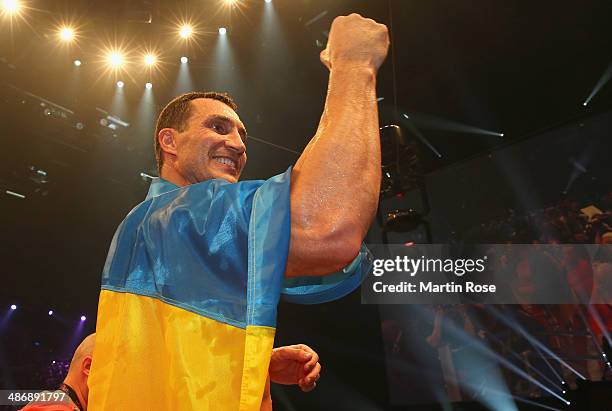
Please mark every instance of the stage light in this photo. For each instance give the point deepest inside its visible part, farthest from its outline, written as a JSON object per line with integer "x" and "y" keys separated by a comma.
{"x": 114, "y": 59}
{"x": 120, "y": 84}
{"x": 148, "y": 86}
{"x": 184, "y": 60}
{"x": 150, "y": 59}
{"x": 77, "y": 63}
{"x": 222, "y": 31}
{"x": 563, "y": 391}
{"x": 13, "y": 307}
{"x": 501, "y": 134}
{"x": 66, "y": 34}
{"x": 10, "y": 6}
{"x": 83, "y": 318}
{"x": 230, "y": 2}
{"x": 268, "y": 1}
{"x": 185, "y": 31}
{"x": 50, "y": 312}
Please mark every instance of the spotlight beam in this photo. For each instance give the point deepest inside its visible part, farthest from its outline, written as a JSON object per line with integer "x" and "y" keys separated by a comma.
{"x": 316, "y": 18}
{"x": 485, "y": 350}
{"x": 600, "y": 323}
{"x": 533, "y": 340}
{"x": 510, "y": 366}
{"x": 548, "y": 364}
{"x": 420, "y": 135}
{"x": 430, "y": 122}
{"x": 603, "y": 80}
{"x": 518, "y": 357}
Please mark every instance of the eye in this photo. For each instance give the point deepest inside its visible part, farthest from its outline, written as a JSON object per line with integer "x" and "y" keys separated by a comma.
{"x": 219, "y": 127}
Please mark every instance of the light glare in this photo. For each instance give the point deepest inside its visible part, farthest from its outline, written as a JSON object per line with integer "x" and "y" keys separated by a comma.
{"x": 184, "y": 60}
{"x": 185, "y": 31}
{"x": 13, "y": 307}
{"x": 77, "y": 63}
{"x": 50, "y": 312}
{"x": 148, "y": 86}
{"x": 66, "y": 34}
{"x": 222, "y": 31}
{"x": 120, "y": 84}
{"x": 150, "y": 59}
{"x": 114, "y": 59}
{"x": 11, "y": 6}
{"x": 83, "y": 318}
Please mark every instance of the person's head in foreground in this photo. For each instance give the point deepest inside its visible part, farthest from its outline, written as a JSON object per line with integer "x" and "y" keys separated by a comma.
{"x": 75, "y": 384}
{"x": 78, "y": 373}
{"x": 198, "y": 137}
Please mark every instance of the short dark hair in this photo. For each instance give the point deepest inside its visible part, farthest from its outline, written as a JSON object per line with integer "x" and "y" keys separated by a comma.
{"x": 177, "y": 112}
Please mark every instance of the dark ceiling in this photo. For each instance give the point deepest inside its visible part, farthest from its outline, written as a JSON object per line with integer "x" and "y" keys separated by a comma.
{"x": 509, "y": 66}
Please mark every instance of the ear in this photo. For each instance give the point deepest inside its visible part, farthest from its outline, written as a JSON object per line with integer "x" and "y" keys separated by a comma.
{"x": 167, "y": 140}
{"x": 86, "y": 364}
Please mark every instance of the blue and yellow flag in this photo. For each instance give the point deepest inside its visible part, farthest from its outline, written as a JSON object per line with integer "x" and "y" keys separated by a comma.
{"x": 190, "y": 289}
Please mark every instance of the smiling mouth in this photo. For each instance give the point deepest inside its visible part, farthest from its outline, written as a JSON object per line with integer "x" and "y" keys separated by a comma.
{"x": 227, "y": 161}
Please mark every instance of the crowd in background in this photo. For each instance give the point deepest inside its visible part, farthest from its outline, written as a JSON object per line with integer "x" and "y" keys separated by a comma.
{"x": 441, "y": 338}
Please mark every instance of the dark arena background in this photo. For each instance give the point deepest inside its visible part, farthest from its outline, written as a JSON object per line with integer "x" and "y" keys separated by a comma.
{"x": 506, "y": 114}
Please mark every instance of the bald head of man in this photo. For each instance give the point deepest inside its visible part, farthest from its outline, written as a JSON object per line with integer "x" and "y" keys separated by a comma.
{"x": 78, "y": 373}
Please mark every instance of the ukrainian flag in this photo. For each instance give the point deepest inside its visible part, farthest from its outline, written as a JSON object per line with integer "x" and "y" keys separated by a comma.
{"x": 190, "y": 288}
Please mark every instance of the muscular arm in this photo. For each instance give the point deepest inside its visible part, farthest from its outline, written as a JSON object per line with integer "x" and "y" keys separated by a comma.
{"x": 336, "y": 181}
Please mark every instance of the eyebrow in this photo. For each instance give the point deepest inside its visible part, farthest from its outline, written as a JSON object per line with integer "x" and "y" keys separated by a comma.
{"x": 241, "y": 130}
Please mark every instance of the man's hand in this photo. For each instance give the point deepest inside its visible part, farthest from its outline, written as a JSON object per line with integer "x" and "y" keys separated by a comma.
{"x": 355, "y": 41}
{"x": 295, "y": 364}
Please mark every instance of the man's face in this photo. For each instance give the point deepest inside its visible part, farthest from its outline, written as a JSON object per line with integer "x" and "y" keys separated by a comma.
{"x": 212, "y": 145}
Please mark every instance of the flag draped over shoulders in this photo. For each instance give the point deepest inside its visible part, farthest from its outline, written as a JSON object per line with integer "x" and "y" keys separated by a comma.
{"x": 190, "y": 289}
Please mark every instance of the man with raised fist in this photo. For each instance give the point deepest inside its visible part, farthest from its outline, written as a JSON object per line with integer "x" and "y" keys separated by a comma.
{"x": 194, "y": 273}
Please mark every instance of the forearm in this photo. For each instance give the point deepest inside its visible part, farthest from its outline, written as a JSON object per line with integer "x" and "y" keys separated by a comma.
{"x": 336, "y": 181}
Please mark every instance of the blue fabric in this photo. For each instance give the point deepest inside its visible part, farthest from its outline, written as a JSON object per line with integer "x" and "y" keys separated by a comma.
{"x": 269, "y": 235}
{"x": 322, "y": 289}
{"x": 218, "y": 249}
{"x": 187, "y": 246}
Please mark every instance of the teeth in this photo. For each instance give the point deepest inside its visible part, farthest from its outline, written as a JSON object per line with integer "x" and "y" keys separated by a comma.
{"x": 224, "y": 160}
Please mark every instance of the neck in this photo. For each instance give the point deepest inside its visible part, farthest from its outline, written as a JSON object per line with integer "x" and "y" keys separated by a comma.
{"x": 79, "y": 388}
{"x": 170, "y": 174}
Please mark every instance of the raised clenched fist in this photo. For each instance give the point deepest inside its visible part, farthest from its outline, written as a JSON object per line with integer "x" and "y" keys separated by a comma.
{"x": 355, "y": 41}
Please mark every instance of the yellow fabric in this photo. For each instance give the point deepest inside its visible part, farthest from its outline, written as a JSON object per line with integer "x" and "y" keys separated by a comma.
{"x": 150, "y": 355}
{"x": 258, "y": 349}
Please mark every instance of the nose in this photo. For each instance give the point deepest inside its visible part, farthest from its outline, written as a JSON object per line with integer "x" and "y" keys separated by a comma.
{"x": 234, "y": 142}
